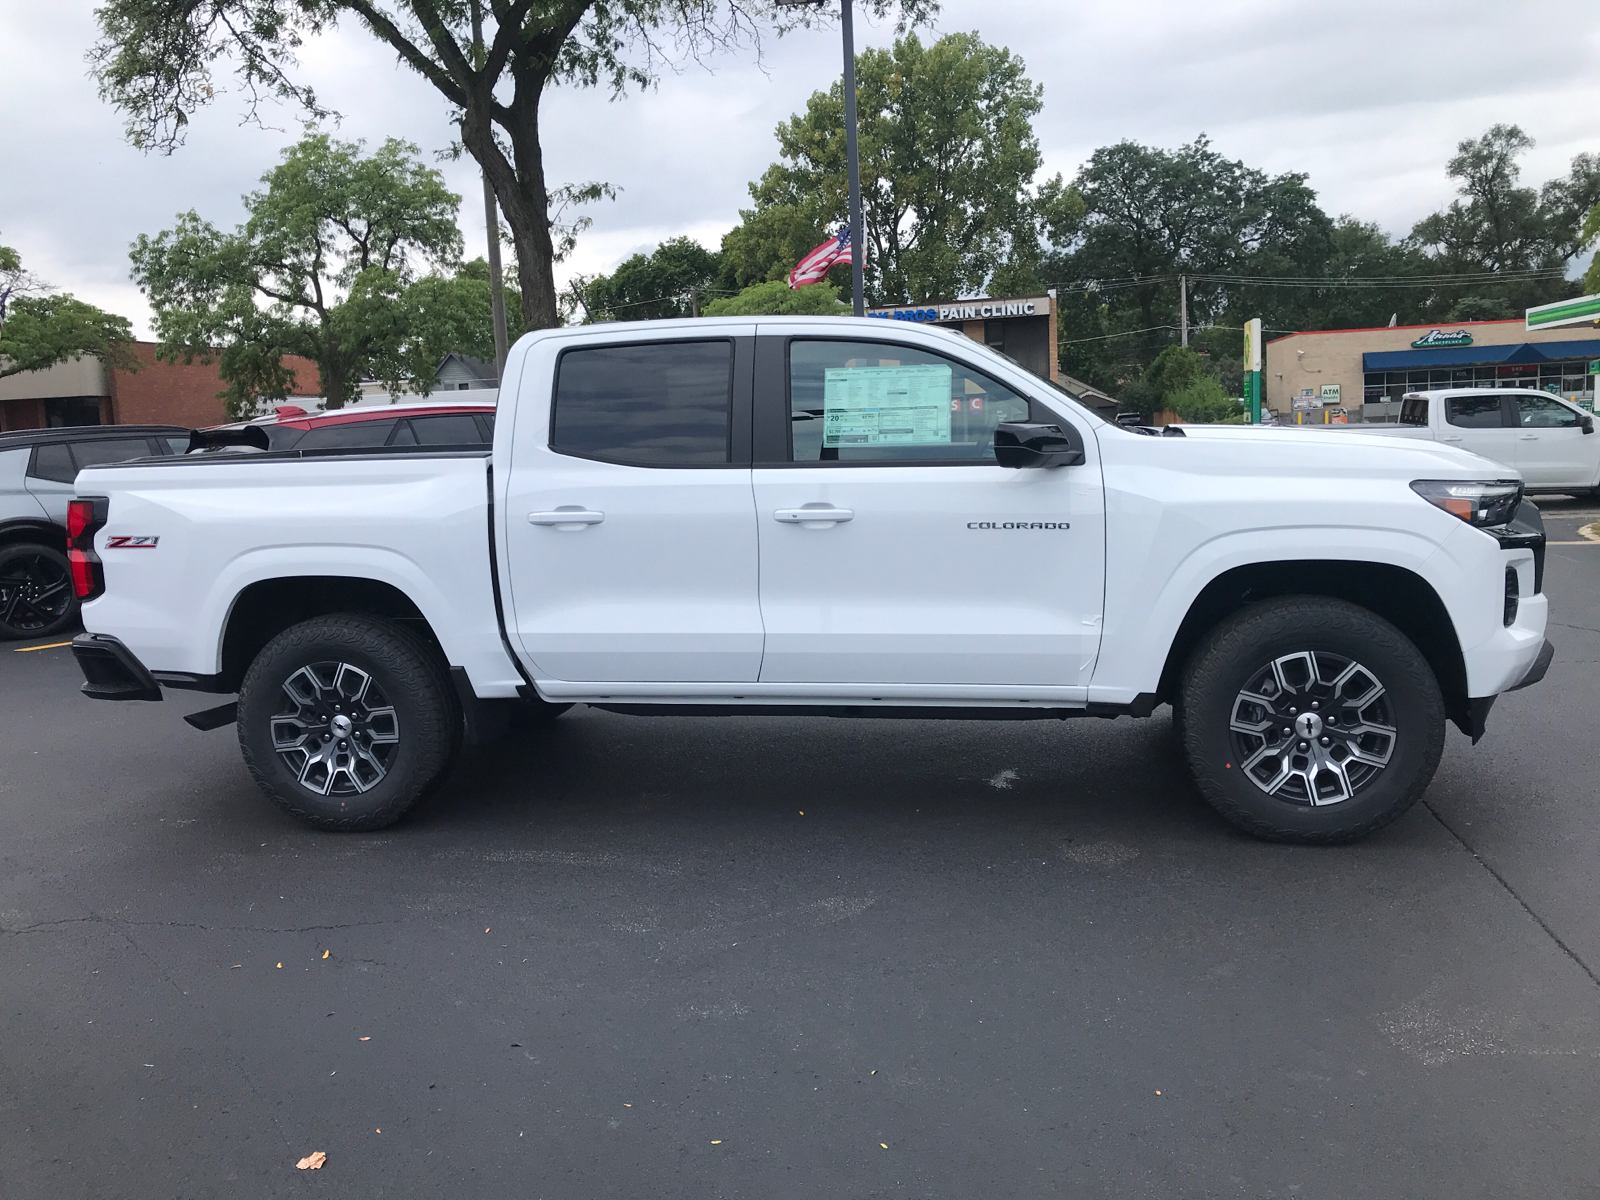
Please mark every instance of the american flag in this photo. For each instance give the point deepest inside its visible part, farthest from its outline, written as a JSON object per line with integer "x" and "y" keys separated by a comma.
{"x": 813, "y": 268}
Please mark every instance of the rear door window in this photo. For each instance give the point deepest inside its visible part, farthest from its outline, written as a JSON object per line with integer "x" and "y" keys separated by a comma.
{"x": 668, "y": 404}
{"x": 1414, "y": 410}
{"x": 446, "y": 429}
{"x": 96, "y": 453}
{"x": 350, "y": 435}
{"x": 1474, "y": 412}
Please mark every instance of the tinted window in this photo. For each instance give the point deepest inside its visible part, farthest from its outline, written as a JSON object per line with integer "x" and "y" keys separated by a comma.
{"x": 91, "y": 454}
{"x": 403, "y": 435}
{"x": 176, "y": 445}
{"x": 1541, "y": 412}
{"x": 282, "y": 437}
{"x": 486, "y": 425}
{"x": 348, "y": 436}
{"x": 449, "y": 429}
{"x": 1414, "y": 410}
{"x": 661, "y": 405}
{"x": 53, "y": 462}
{"x": 876, "y": 402}
{"x": 1474, "y": 412}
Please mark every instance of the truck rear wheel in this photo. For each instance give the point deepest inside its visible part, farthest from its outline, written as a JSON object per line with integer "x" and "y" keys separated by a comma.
{"x": 347, "y": 721}
{"x": 1310, "y": 720}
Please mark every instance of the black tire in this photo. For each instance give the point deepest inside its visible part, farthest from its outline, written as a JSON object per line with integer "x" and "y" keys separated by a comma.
{"x": 1334, "y": 781}
{"x": 36, "y": 594}
{"x": 401, "y": 728}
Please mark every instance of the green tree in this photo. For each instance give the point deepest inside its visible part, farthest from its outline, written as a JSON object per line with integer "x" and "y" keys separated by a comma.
{"x": 40, "y": 328}
{"x": 321, "y": 268}
{"x": 648, "y": 287}
{"x": 1588, "y": 238}
{"x": 444, "y": 312}
{"x": 1202, "y": 400}
{"x": 157, "y": 61}
{"x": 775, "y": 297}
{"x": 948, "y": 158}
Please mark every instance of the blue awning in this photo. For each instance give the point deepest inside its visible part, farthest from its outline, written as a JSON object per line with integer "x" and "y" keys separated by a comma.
{"x": 1461, "y": 356}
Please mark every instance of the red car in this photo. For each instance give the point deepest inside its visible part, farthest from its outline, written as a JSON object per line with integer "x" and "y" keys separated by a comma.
{"x": 293, "y": 428}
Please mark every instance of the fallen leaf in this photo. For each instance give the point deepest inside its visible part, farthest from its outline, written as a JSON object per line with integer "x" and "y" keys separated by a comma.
{"x": 366, "y": 1039}
{"x": 312, "y": 1161}
{"x": 325, "y": 954}
{"x": 280, "y": 966}
{"x": 235, "y": 966}
{"x": 486, "y": 931}
{"x": 516, "y": 1045}
{"x": 802, "y": 813}
{"x": 717, "y": 1142}
{"x": 874, "y": 1072}
{"x": 885, "y": 1145}
{"x": 377, "y": 1131}
{"x": 627, "y": 1106}
{"x": 1158, "y": 1092}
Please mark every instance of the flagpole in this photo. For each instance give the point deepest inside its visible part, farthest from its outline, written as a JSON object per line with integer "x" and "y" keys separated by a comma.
{"x": 857, "y": 242}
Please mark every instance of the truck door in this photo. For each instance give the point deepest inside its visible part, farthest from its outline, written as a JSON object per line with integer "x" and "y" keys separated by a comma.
{"x": 894, "y": 549}
{"x": 630, "y": 528}
{"x": 1552, "y": 449}
{"x": 1478, "y": 423}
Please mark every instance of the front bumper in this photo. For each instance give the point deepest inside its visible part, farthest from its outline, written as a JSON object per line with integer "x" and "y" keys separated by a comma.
{"x": 111, "y": 671}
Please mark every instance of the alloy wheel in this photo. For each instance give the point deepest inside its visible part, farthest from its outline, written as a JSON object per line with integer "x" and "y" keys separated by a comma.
{"x": 335, "y": 730}
{"x": 1312, "y": 728}
{"x": 35, "y": 592}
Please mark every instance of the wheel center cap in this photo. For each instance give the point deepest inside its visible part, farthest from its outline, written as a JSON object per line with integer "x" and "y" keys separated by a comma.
{"x": 341, "y": 726}
{"x": 1307, "y": 725}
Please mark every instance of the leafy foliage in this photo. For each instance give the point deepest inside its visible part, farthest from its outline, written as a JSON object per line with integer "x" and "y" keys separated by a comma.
{"x": 157, "y": 61}
{"x": 948, "y": 157}
{"x": 661, "y": 284}
{"x": 325, "y": 267}
{"x": 40, "y": 328}
{"x": 775, "y": 297}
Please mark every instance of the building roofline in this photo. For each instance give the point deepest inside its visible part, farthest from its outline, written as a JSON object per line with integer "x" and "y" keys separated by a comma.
{"x": 1381, "y": 328}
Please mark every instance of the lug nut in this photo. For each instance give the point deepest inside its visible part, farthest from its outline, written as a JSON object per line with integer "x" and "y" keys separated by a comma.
{"x": 1305, "y": 745}
{"x": 1314, "y": 704}
{"x": 327, "y": 737}
{"x": 1327, "y": 741}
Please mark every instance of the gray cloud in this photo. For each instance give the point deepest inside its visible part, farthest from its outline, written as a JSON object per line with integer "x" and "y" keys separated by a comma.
{"x": 1368, "y": 97}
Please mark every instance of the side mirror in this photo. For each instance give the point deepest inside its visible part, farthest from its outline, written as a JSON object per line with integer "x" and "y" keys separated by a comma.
{"x": 1588, "y": 424}
{"x": 1024, "y": 444}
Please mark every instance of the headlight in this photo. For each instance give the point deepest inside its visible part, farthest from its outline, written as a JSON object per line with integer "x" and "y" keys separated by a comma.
{"x": 1480, "y": 502}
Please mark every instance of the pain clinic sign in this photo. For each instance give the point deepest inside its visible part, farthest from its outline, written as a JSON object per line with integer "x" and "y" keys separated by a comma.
{"x": 1252, "y": 345}
{"x": 966, "y": 310}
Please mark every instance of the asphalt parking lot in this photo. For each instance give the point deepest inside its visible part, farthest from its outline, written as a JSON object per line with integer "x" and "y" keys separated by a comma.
{"x": 797, "y": 958}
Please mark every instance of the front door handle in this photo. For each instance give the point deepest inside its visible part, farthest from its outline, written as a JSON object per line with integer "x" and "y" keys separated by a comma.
{"x": 814, "y": 516}
{"x": 568, "y": 517}
{"x": 1450, "y": 439}
{"x": 1527, "y": 437}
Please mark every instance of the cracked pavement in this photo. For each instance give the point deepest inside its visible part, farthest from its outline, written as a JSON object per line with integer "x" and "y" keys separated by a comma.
{"x": 615, "y": 960}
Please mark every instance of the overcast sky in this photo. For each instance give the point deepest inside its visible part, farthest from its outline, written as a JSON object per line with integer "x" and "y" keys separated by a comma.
{"x": 1368, "y": 97}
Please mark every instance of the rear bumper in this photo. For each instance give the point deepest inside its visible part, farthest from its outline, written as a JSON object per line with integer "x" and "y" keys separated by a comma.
{"x": 110, "y": 670}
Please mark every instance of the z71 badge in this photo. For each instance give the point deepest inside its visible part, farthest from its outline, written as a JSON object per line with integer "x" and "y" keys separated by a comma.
{"x": 124, "y": 542}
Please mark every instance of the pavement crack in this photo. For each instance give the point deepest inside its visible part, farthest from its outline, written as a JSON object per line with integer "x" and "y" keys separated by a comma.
{"x": 1515, "y": 895}
{"x": 1570, "y": 625}
{"x": 118, "y": 923}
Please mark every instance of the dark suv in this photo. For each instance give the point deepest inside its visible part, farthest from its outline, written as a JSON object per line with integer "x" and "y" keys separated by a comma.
{"x": 37, "y": 467}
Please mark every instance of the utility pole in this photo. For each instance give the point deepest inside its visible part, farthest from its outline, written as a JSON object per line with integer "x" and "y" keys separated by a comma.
{"x": 858, "y": 251}
{"x": 852, "y": 158}
{"x": 1183, "y": 310}
{"x": 491, "y": 221}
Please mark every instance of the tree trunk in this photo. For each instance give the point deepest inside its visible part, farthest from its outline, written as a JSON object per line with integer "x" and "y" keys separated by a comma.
{"x": 523, "y": 197}
{"x": 333, "y": 372}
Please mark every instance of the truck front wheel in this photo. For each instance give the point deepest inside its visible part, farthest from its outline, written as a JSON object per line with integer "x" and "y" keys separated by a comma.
{"x": 347, "y": 721}
{"x": 1310, "y": 720}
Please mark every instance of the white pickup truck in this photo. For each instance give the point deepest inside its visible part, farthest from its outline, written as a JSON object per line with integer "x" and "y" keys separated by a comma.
{"x": 820, "y": 516}
{"x": 1548, "y": 441}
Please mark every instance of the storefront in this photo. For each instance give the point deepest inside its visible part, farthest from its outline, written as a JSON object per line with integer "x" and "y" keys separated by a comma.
{"x": 1021, "y": 327}
{"x": 1367, "y": 371}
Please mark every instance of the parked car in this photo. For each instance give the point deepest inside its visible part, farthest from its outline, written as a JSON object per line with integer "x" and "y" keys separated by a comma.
{"x": 424, "y": 424}
{"x": 828, "y": 516}
{"x": 1544, "y": 438}
{"x": 37, "y": 467}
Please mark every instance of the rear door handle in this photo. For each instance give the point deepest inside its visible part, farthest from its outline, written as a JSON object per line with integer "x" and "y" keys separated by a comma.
{"x": 568, "y": 517}
{"x": 814, "y": 516}
{"x": 1527, "y": 437}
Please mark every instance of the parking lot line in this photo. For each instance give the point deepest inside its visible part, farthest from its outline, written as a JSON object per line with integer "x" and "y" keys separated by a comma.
{"x": 51, "y": 646}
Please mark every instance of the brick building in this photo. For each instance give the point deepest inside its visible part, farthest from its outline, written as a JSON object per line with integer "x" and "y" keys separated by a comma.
{"x": 84, "y": 392}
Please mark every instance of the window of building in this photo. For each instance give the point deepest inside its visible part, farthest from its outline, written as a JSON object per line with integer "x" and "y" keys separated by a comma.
{"x": 667, "y": 404}
{"x": 871, "y": 402}
{"x": 1474, "y": 412}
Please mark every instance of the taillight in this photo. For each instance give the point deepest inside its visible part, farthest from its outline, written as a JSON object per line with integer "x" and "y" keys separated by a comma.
{"x": 86, "y": 516}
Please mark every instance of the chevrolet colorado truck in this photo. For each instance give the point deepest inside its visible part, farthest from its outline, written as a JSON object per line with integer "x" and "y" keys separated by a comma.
{"x": 820, "y": 516}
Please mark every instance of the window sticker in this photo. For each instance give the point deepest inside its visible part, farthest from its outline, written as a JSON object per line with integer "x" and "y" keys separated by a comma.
{"x": 886, "y": 406}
